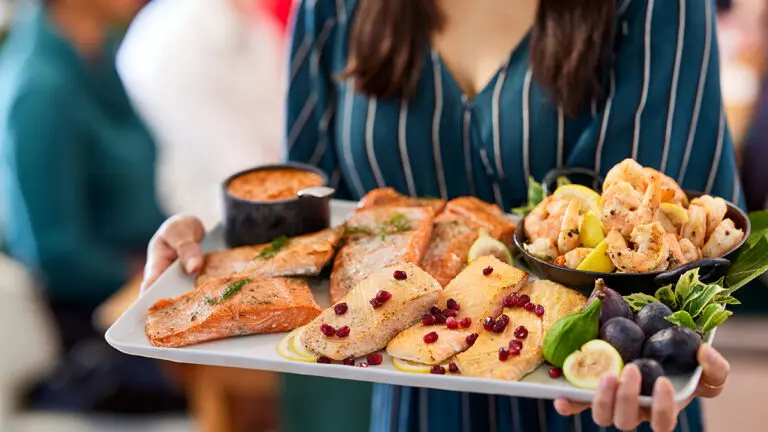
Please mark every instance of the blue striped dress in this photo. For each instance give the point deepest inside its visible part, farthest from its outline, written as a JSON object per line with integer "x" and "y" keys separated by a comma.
{"x": 663, "y": 108}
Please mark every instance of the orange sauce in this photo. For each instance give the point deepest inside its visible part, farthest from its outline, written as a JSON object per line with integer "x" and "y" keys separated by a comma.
{"x": 272, "y": 184}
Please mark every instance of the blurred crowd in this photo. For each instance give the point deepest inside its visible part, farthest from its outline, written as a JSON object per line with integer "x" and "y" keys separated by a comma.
{"x": 114, "y": 114}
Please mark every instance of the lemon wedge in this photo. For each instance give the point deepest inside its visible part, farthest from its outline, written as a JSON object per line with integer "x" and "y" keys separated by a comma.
{"x": 299, "y": 349}
{"x": 589, "y": 199}
{"x": 409, "y": 366}
{"x": 675, "y": 213}
{"x": 286, "y": 348}
{"x": 591, "y": 230}
{"x": 598, "y": 260}
{"x": 487, "y": 245}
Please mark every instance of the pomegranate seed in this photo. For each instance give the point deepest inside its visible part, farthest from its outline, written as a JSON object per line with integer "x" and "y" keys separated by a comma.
{"x": 429, "y": 320}
{"x": 514, "y": 350}
{"x": 465, "y": 322}
{"x": 340, "y": 308}
{"x": 503, "y": 354}
{"x": 521, "y": 332}
{"x": 435, "y": 310}
{"x": 523, "y": 299}
{"x": 400, "y": 275}
{"x": 375, "y": 359}
{"x": 555, "y": 373}
{"x": 453, "y": 304}
{"x": 328, "y": 330}
{"x": 384, "y": 296}
{"x": 510, "y": 301}
{"x": 437, "y": 370}
{"x": 488, "y": 323}
{"x": 376, "y": 303}
{"x": 451, "y": 323}
{"x": 440, "y": 318}
{"x": 501, "y": 323}
{"x": 324, "y": 360}
{"x": 539, "y": 310}
{"x": 362, "y": 365}
{"x": 453, "y": 368}
{"x": 529, "y": 306}
{"x": 342, "y": 332}
{"x": 450, "y": 313}
{"x": 472, "y": 338}
{"x": 430, "y": 337}
{"x": 349, "y": 361}
{"x": 516, "y": 344}
{"x": 487, "y": 271}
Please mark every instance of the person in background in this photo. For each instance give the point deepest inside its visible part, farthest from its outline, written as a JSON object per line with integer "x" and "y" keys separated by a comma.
{"x": 78, "y": 190}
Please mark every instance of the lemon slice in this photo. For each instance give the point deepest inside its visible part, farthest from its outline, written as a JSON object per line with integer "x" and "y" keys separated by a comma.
{"x": 598, "y": 260}
{"x": 409, "y": 366}
{"x": 487, "y": 245}
{"x": 591, "y": 230}
{"x": 286, "y": 350}
{"x": 596, "y": 358}
{"x": 675, "y": 213}
{"x": 589, "y": 199}
{"x": 299, "y": 349}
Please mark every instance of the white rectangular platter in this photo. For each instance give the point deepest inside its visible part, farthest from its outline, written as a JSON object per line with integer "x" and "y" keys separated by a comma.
{"x": 260, "y": 351}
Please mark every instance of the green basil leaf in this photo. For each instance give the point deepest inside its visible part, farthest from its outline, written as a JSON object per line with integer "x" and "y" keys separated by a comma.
{"x": 639, "y": 300}
{"x": 535, "y": 196}
{"x": 562, "y": 181}
{"x": 685, "y": 285}
{"x": 703, "y": 299}
{"x": 667, "y": 296}
{"x": 682, "y": 319}
{"x": 749, "y": 265}
{"x": 715, "y": 320}
{"x": 759, "y": 222}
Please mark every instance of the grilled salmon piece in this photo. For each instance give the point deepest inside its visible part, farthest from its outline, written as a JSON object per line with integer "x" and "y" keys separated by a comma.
{"x": 390, "y": 197}
{"x": 231, "y": 306}
{"x": 478, "y": 296}
{"x": 378, "y": 237}
{"x": 489, "y": 216}
{"x": 372, "y": 327}
{"x": 298, "y": 256}
{"x": 482, "y": 360}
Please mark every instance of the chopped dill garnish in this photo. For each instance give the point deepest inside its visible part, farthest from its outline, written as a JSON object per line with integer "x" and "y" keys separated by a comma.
{"x": 228, "y": 292}
{"x": 274, "y": 247}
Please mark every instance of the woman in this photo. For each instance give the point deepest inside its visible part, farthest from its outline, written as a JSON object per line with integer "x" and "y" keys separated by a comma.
{"x": 78, "y": 183}
{"x": 449, "y": 98}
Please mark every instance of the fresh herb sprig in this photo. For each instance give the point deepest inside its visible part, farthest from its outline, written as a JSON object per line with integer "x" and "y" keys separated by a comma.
{"x": 536, "y": 195}
{"x": 274, "y": 247}
{"x": 231, "y": 289}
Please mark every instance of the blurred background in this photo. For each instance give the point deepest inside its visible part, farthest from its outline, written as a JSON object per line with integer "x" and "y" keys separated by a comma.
{"x": 194, "y": 88}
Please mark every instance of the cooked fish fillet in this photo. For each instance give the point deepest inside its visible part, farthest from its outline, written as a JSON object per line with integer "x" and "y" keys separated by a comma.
{"x": 478, "y": 296}
{"x": 299, "y": 256}
{"x": 390, "y": 197}
{"x": 371, "y": 328}
{"x": 231, "y": 306}
{"x": 454, "y": 232}
{"x": 482, "y": 359}
{"x": 378, "y": 237}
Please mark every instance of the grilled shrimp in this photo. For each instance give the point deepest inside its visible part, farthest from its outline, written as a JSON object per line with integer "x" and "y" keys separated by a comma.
{"x": 671, "y": 192}
{"x": 546, "y": 219}
{"x": 650, "y": 251}
{"x": 690, "y": 251}
{"x": 569, "y": 238}
{"x": 723, "y": 239}
{"x": 623, "y": 208}
{"x": 715, "y": 207}
{"x": 627, "y": 171}
{"x": 573, "y": 258}
{"x": 695, "y": 229}
{"x": 677, "y": 256}
{"x": 667, "y": 224}
{"x": 544, "y": 248}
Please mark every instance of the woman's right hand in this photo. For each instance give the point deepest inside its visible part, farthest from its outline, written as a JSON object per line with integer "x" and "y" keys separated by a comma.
{"x": 178, "y": 238}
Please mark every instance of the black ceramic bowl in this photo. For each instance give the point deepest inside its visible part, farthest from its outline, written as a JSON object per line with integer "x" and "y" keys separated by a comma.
{"x": 628, "y": 283}
{"x": 249, "y": 222}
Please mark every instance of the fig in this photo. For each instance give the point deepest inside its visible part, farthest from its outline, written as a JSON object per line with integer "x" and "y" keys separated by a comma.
{"x": 674, "y": 348}
{"x": 625, "y": 336}
{"x": 487, "y": 245}
{"x": 651, "y": 318}
{"x": 570, "y": 332}
{"x": 585, "y": 367}
{"x": 614, "y": 304}
{"x": 651, "y": 370}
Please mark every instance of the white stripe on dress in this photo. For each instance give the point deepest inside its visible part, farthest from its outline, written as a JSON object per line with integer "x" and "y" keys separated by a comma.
{"x": 465, "y": 420}
{"x": 402, "y": 140}
{"x": 492, "y": 414}
{"x": 322, "y": 38}
{"x": 699, "y": 93}
{"x": 515, "y": 409}
{"x": 683, "y": 419}
{"x": 370, "y": 122}
{"x": 300, "y": 56}
{"x": 354, "y": 176}
{"x": 468, "y": 152}
{"x": 646, "y": 78}
{"x": 673, "y": 90}
{"x": 542, "y": 415}
{"x": 323, "y": 141}
{"x": 436, "y": 117}
{"x": 577, "y": 423}
{"x": 489, "y": 173}
{"x": 718, "y": 153}
{"x": 624, "y": 7}
{"x": 594, "y": 108}
{"x": 341, "y": 11}
{"x": 736, "y": 189}
{"x": 423, "y": 410}
{"x": 560, "y": 136}
{"x": 495, "y": 108}
{"x": 527, "y": 126}
{"x": 336, "y": 178}
{"x": 604, "y": 126}
{"x": 301, "y": 120}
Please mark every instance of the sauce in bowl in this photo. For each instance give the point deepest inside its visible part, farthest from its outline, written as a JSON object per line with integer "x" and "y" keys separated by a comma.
{"x": 278, "y": 184}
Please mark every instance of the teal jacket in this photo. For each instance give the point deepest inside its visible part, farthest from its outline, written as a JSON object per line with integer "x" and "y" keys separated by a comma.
{"x": 78, "y": 182}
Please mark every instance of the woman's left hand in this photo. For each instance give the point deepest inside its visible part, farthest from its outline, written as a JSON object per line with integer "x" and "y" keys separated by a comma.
{"x": 616, "y": 402}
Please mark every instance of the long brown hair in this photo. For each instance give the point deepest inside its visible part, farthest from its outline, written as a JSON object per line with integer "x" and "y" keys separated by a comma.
{"x": 570, "y": 47}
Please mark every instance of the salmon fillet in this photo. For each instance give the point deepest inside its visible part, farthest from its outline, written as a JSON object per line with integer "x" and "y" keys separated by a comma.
{"x": 478, "y": 296}
{"x": 371, "y": 328}
{"x": 231, "y": 306}
{"x": 390, "y": 197}
{"x": 456, "y": 229}
{"x": 378, "y": 237}
{"x": 298, "y": 256}
{"x": 482, "y": 360}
